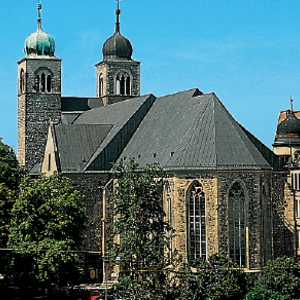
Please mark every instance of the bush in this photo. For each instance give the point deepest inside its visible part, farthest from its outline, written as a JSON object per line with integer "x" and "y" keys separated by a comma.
{"x": 282, "y": 275}
{"x": 260, "y": 292}
{"x": 221, "y": 278}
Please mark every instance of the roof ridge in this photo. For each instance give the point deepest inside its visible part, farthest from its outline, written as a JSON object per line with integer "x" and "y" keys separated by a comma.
{"x": 179, "y": 92}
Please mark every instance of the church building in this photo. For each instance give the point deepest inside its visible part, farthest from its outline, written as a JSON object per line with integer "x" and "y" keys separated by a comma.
{"x": 227, "y": 192}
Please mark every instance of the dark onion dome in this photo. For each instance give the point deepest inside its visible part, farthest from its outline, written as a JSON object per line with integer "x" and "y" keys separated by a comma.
{"x": 39, "y": 42}
{"x": 117, "y": 46}
{"x": 289, "y": 126}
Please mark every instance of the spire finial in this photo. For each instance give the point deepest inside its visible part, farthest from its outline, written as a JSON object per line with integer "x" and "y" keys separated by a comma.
{"x": 39, "y": 8}
{"x": 292, "y": 106}
{"x": 118, "y": 12}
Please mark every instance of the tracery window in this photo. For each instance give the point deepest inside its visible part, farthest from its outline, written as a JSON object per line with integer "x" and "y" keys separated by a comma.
{"x": 197, "y": 222}
{"x": 123, "y": 84}
{"x": 237, "y": 226}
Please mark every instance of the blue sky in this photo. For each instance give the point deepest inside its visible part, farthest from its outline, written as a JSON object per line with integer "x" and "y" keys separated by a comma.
{"x": 247, "y": 52}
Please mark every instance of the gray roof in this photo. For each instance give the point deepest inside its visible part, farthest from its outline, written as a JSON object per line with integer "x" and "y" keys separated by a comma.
{"x": 189, "y": 130}
{"x": 75, "y": 104}
{"x": 77, "y": 143}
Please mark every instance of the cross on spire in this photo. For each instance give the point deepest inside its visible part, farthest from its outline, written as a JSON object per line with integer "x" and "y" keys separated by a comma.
{"x": 118, "y": 12}
{"x": 39, "y": 8}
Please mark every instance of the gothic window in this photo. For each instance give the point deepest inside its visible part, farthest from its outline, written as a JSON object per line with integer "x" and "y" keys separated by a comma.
{"x": 237, "y": 227}
{"x": 49, "y": 83}
{"x": 196, "y": 222}
{"x": 100, "y": 85}
{"x": 37, "y": 83}
{"x": 43, "y": 82}
{"x": 22, "y": 81}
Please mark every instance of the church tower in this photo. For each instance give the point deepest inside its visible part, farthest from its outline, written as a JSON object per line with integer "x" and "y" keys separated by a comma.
{"x": 118, "y": 75}
{"x": 39, "y": 94}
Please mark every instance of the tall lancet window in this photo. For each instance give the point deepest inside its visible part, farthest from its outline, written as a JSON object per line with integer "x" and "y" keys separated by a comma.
{"x": 196, "y": 222}
{"x": 237, "y": 226}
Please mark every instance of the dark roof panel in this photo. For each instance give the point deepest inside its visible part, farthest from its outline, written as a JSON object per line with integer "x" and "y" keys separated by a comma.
{"x": 189, "y": 130}
{"x": 77, "y": 143}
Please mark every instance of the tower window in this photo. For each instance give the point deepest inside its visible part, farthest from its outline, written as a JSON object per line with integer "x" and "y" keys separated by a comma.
{"x": 128, "y": 86}
{"x": 123, "y": 84}
{"x": 100, "y": 85}
{"x": 196, "y": 222}
{"x": 43, "y": 83}
{"x": 22, "y": 81}
{"x": 118, "y": 86}
{"x": 237, "y": 228}
{"x": 49, "y": 83}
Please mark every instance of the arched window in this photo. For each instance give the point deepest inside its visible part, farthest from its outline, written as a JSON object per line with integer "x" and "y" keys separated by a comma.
{"x": 118, "y": 90}
{"x": 237, "y": 226}
{"x": 43, "y": 82}
{"x": 49, "y": 81}
{"x": 37, "y": 83}
{"x": 22, "y": 81}
{"x": 128, "y": 86}
{"x": 196, "y": 222}
{"x": 122, "y": 83}
{"x": 100, "y": 85}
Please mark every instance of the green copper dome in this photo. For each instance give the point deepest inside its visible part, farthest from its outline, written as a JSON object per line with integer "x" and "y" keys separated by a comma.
{"x": 39, "y": 42}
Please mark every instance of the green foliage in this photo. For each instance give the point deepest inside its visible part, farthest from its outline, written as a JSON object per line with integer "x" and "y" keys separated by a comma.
{"x": 9, "y": 180}
{"x": 7, "y": 200}
{"x": 260, "y": 292}
{"x": 47, "y": 219}
{"x": 221, "y": 278}
{"x": 187, "y": 284}
{"x": 9, "y": 167}
{"x": 139, "y": 224}
{"x": 282, "y": 275}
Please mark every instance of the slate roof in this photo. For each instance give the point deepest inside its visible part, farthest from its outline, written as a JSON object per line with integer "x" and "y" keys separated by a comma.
{"x": 192, "y": 131}
{"x": 75, "y": 104}
{"x": 97, "y": 137}
{"x": 77, "y": 143}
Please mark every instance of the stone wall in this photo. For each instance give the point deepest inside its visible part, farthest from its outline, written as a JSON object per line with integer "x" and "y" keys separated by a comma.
{"x": 90, "y": 185}
{"x": 283, "y": 217}
{"x": 109, "y": 71}
{"x": 36, "y": 109}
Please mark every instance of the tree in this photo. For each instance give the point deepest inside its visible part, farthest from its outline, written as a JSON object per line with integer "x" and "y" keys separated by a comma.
{"x": 9, "y": 180}
{"x": 282, "y": 275}
{"x": 139, "y": 225}
{"x": 48, "y": 217}
{"x": 220, "y": 278}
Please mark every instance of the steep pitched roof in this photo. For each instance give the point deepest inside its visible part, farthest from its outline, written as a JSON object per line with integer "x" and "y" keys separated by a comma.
{"x": 77, "y": 143}
{"x": 189, "y": 130}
